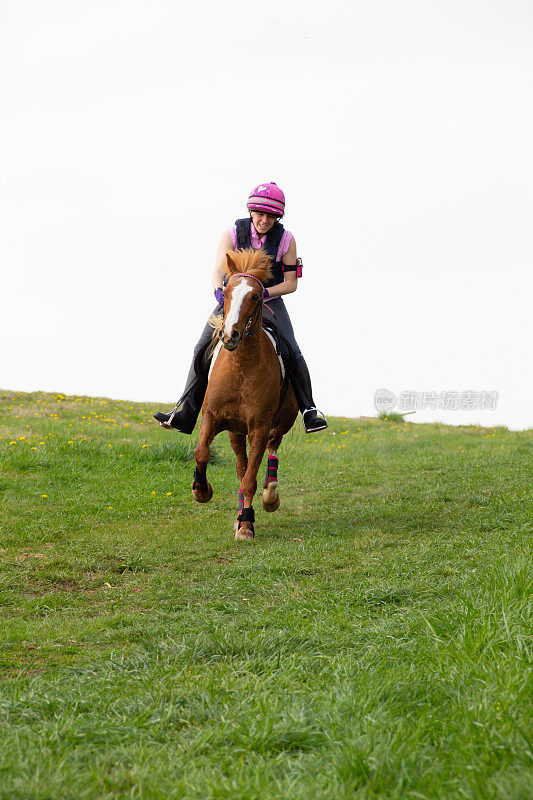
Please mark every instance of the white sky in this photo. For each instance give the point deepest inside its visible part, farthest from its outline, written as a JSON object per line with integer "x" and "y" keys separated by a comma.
{"x": 401, "y": 133}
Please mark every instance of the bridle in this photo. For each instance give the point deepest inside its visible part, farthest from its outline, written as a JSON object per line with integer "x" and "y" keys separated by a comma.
{"x": 248, "y": 330}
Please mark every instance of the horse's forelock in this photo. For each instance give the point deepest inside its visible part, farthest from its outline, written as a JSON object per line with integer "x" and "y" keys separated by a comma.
{"x": 254, "y": 262}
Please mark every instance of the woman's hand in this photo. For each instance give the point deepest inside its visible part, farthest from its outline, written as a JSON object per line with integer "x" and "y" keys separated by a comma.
{"x": 289, "y": 285}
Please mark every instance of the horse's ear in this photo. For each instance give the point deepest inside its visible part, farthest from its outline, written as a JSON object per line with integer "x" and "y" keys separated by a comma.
{"x": 232, "y": 266}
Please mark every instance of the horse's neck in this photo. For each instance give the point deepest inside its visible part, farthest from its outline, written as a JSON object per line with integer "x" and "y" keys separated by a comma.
{"x": 250, "y": 347}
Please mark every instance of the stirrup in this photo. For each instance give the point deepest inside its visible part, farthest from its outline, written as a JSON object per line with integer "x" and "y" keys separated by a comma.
{"x": 169, "y": 421}
{"x": 165, "y": 420}
{"x": 321, "y": 419}
{"x": 162, "y": 418}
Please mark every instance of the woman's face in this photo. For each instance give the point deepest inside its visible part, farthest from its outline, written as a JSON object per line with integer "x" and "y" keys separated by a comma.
{"x": 262, "y": 222}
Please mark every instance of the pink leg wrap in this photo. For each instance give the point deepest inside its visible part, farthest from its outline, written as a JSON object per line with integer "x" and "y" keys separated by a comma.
{"x": 272, "y": 470}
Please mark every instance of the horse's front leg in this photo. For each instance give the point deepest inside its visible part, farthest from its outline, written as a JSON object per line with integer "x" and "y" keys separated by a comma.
{"x": 238, "y": 443}
{"x": 202, "y": 491}
{"x": 258, "y": 440}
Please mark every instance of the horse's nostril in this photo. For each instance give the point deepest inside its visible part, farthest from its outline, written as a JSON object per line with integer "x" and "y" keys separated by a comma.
{"x": 234, "y": 335}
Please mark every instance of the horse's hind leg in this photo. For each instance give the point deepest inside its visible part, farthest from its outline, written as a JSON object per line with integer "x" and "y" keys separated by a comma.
{"x": 202, "y": 491}
{"x": 288, "y": 413}
{"x": 270, "y": 497}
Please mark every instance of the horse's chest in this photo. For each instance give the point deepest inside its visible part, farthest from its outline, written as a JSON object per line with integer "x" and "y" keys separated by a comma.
{"x": 238, "y": 392}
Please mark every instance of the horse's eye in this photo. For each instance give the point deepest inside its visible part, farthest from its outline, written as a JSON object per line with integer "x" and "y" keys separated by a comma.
{"x": 255, "y": 298}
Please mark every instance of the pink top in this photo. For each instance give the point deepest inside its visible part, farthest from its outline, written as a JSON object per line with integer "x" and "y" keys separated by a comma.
{"x": 258, "y": 242}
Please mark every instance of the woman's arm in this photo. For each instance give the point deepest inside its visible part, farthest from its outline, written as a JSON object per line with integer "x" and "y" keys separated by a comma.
{"x": 290, "y": 282}
{"x": 220, "y": 269}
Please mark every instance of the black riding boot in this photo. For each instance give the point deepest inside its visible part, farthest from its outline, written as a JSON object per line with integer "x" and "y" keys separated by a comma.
{"x": 312, "y": 419}
{"x": 185, "y": 413}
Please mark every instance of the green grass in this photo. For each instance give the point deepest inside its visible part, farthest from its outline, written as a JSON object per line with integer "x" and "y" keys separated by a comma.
{"x": 373, "y": 642}
{"x": 391, "y": 416}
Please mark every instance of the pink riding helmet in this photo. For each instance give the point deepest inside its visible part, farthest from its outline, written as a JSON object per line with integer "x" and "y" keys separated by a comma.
{"x": 267, "y": 197}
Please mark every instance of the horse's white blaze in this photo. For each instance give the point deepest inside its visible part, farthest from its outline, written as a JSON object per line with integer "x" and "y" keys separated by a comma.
{"x": 237, "y": 296}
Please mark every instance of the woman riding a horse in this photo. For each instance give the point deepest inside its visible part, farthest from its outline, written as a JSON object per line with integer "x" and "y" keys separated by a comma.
{"x": 262, "y": 229}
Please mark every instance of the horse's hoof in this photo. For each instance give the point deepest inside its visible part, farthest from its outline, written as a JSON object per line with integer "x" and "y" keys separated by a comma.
{"x": 203, "y": 495}
{"x": 270, "y": 497}
{"x": 243, "y": 533}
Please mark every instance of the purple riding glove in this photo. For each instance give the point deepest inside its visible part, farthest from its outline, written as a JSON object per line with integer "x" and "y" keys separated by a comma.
{"x": 219, "y": 297}
{"x": 266, "y": 294}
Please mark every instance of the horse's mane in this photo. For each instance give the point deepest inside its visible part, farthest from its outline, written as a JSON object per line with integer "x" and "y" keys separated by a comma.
{"x": 217, "y": 323}
{"x": 254, "y": 262}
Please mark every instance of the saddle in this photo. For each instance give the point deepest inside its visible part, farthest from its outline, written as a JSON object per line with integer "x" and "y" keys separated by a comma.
{"x": 284, "y": 353}
{"x": 283, "y": 347}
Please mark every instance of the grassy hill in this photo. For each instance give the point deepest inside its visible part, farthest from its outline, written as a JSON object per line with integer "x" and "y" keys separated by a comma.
{"x": 373, "y": 642}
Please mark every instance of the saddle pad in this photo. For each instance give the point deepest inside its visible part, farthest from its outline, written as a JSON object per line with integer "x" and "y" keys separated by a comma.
{"x": 219, "y": 345}
{"x": 216, "y": 351}
{"x": 282, "y": 365}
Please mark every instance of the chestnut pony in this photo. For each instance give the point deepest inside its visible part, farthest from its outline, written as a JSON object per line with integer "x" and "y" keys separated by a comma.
{"x": 244, "y": 391}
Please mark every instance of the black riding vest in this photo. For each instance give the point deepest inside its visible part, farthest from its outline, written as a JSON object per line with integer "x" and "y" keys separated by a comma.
{"x": 271, "y": 245}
